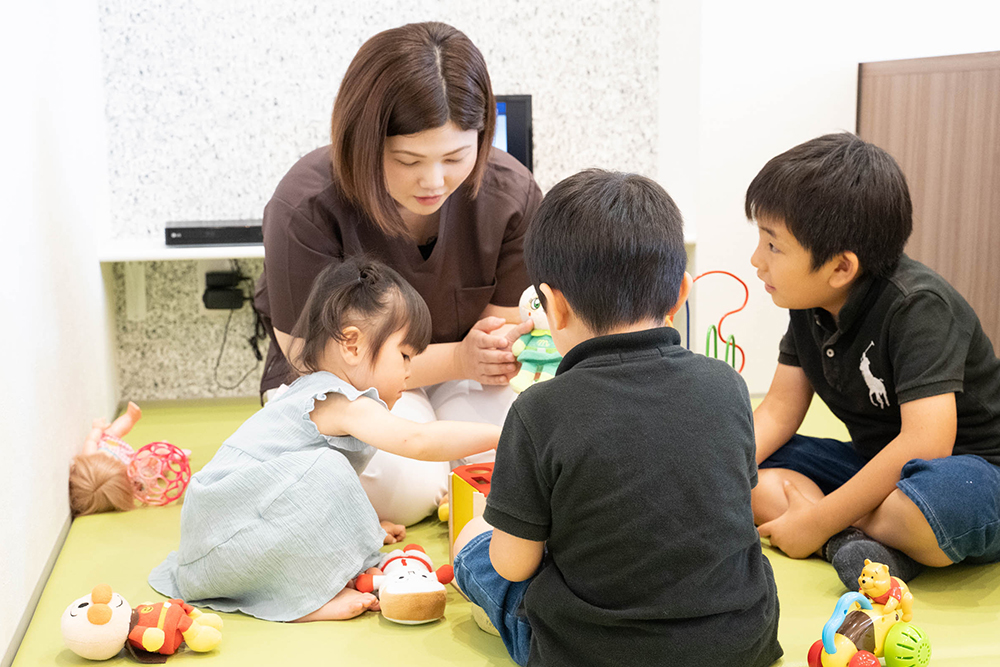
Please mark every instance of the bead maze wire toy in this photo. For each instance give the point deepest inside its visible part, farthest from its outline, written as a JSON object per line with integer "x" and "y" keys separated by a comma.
{"x": 715, "y": 331}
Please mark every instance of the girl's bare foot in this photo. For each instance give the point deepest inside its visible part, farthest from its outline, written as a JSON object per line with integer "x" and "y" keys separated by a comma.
{"x": 346, "y": 604}
{"x": 393, "y": 532}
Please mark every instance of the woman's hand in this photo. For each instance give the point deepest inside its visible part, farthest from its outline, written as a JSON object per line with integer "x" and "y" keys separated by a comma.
{"x": 484, "y": 354}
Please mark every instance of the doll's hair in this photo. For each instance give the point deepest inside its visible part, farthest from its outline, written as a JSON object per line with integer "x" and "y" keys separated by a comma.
{"x": 361, "y": 292}
{"x": 99, "y": 483}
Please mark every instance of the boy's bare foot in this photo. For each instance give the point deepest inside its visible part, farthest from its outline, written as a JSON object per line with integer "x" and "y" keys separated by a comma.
{"x": 346, "y": 604}
{"x": 393, "y": 532}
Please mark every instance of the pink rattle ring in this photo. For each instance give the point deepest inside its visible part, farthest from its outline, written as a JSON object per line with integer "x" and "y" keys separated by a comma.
{"x": 160, "y": 473}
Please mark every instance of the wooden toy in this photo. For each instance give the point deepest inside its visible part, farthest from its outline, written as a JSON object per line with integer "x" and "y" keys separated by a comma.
{"x": 468, "y": 487}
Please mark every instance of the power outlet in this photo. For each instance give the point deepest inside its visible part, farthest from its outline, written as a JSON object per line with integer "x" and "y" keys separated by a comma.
{"x": 207, "y": 266}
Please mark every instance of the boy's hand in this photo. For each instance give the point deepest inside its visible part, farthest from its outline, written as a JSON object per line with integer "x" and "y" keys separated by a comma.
{"x": 796, "y": 532}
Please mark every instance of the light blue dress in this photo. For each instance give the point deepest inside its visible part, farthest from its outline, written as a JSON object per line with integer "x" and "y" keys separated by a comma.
{"x": 277, "y": 523}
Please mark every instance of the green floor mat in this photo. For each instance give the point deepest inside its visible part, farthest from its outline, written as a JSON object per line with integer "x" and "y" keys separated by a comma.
{"x": 958, "y": 608}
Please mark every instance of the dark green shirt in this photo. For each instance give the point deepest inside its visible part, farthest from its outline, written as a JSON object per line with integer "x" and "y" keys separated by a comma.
{"x": 634, "y": 464}
{"x": 899, "y": 339}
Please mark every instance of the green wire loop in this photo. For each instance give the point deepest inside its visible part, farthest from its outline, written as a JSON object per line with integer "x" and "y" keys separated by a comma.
{"x": 730, "y": 346}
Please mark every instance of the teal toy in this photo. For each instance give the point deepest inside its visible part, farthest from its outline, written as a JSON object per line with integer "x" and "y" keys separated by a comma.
{"x": 535, "y": 351}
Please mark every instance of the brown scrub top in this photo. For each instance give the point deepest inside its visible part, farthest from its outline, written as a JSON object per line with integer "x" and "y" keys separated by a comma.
{"x": 476, "y": 261}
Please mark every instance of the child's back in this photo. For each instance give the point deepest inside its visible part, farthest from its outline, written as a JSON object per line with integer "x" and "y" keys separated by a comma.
{"x": 277, "y": 524}
{"x": 635, "y": 464}
{"x": 277, "y": 499}
{"x": 622, "y": 485}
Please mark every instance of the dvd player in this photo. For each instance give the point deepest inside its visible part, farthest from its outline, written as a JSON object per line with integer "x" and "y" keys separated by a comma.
{"x": 214, "y": 232}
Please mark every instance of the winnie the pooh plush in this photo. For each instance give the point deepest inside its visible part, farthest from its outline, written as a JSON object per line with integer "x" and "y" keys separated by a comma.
{"x": 881, "y": 588}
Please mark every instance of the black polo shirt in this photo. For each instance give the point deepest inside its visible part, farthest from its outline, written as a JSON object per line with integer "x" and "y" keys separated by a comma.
{"x": 898, "y": 339}
{"x": 635, "y": 465}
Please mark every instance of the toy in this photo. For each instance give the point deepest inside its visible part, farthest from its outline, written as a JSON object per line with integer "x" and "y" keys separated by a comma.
{"x": 160, "y": 627}
{"x": 410, "y": 591}
{"x": 110, "y": 475}
{"x": 98, "y": 625}
{"x": 872, "y": 623}
{"x": 890, "y": 592}
{"x": 536, "y": 351}
{"x": 468, "y": 487}
{"x": 715, "y": 331}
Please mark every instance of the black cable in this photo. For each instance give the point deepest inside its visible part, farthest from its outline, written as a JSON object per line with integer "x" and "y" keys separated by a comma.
{"x": 259, "y": 333}
{"x": 218, "y": 360}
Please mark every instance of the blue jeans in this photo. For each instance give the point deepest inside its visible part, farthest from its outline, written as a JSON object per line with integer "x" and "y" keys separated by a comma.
{"x": 502, "y": 600}
{"x": 958, "y": 495}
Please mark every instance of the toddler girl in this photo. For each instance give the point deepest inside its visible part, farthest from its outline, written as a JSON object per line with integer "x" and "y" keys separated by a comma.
{"x": 277, "y": 525}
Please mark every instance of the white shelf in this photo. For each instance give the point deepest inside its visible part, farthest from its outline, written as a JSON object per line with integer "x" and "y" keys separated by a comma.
{"x": 148, "y": 250}
{"x": 151, "y": 249}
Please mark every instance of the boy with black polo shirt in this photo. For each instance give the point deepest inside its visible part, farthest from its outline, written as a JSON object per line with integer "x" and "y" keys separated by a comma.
{"x": 894, "y": 351}
{"x": 620, "y": 499}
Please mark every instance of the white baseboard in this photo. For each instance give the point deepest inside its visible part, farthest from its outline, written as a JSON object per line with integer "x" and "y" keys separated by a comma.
{"x": 29, "y": 610}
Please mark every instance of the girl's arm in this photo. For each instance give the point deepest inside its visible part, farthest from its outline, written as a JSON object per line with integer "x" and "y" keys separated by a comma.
{"x": 369, "y": 422}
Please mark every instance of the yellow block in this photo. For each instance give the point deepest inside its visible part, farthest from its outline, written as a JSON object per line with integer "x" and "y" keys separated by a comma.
{"x": 467, "y": 490}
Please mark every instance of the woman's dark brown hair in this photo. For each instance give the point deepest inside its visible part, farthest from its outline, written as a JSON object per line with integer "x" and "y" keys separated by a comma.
{"x": 402, "y": 81}
{"x": 365, "y": 293}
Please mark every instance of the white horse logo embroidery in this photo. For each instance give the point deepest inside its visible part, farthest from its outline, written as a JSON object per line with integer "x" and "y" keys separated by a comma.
{"x": 876, "y": 388}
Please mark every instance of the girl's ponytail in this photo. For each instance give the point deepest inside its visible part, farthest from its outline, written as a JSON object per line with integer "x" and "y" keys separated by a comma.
{"x": 363, "y": 292}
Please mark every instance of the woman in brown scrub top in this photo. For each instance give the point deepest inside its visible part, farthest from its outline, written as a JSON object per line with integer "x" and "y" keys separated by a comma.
{"x": 411, "y": 178}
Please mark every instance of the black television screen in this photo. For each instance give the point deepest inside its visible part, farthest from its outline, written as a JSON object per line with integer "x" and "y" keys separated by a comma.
{"x": 513, "y": 133}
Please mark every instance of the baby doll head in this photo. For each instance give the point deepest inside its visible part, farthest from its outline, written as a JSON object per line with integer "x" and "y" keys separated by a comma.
{"x": 363, "y": 294}
{"x": 99, "y": 483}
{"x": 530, "y": 306}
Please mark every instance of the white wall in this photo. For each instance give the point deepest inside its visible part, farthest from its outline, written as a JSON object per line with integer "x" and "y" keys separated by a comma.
{"x": 771, "y": 75}
{"x": 56, "y": 375}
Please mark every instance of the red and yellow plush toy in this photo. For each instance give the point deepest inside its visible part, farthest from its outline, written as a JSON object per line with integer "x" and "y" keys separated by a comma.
{"x": 97, "y": 626}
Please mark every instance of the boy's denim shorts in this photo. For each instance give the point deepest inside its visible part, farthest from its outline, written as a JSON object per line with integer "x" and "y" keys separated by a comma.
{"x": 958, "y": 495}
{"x": 499, "y": 598}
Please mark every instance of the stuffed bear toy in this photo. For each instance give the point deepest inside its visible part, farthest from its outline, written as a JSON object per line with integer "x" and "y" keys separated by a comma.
{"x": 890, "y": 592}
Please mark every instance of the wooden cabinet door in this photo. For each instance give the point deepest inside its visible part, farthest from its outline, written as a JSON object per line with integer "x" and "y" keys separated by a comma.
{"x": 940, "y": 119}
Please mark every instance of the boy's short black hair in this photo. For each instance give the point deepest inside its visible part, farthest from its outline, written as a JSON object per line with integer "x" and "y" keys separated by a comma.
{"x": 613, "y": 244}
{"x": 837, "y": 193}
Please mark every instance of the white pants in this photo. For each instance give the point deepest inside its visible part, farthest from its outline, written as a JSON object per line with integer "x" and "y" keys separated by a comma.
{"x": 404, "y": 490}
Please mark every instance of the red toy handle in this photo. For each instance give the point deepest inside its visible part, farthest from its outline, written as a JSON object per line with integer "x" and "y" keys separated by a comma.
{"x": 364, "y": 583}
{"x": 445, "y": 574}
